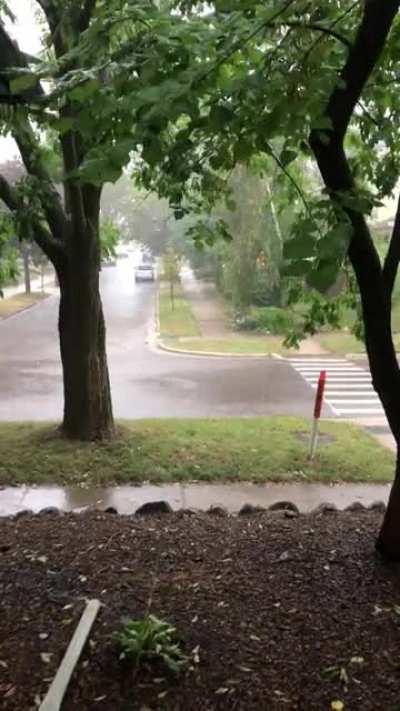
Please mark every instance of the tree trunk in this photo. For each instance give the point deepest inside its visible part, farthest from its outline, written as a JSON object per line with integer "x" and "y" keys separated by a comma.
{"x": 388, "y": 542}
{"x": 87, "y": 398}
{"x": 27, "y": 271}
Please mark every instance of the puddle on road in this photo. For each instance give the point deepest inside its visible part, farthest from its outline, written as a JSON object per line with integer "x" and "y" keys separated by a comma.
{"x": 126, "y": 499}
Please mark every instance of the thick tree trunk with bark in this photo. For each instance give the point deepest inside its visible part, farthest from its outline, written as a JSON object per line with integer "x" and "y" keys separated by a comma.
{"x": 87, "y": 398}
{"x": 388, "y": 542}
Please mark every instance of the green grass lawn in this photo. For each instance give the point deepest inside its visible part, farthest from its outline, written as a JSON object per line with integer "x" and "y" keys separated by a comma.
{"x": 340, "y": 343}
{"x": 178, "y": 320}
{"x": 20, "y": 302}
{"x": 248, "y": 449}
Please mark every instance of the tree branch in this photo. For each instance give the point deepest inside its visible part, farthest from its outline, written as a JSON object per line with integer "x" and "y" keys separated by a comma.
{"x": 53, "y": 249}
{"x": 316, "y": 27}
{"x": 327, "y": 146}
{"x": 392, "y": 258}
{"x": 10, "y": 57}
{"x": 86, "y": 14}
{"x": 29, "y": 149}
{"x": 363, "y": 57}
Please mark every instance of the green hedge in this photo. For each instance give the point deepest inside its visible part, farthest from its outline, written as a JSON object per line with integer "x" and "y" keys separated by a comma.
{"x": 267, "y": 319}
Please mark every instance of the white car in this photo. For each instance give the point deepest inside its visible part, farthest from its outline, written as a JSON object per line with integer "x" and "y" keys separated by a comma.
{"x": 144, "y": 272}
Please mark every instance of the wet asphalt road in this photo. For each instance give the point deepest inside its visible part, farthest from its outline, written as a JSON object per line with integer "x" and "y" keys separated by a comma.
{"x": 145, "y": 382}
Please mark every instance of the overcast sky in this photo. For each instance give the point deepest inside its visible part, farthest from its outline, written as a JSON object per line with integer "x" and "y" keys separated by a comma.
{"x": 25, "y": 29}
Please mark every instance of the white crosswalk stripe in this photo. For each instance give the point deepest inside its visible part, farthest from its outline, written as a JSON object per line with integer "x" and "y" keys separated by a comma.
{"x": 348, "y": 389}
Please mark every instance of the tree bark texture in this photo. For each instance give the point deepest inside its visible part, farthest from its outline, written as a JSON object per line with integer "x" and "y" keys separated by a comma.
{"x": 87, "y": 397}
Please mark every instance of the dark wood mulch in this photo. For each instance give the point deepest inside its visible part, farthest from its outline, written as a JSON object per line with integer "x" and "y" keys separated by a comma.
{"x": 284, "y": 613}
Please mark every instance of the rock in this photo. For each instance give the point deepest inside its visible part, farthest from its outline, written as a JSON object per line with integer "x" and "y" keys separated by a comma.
{"x": 284, "y": 556}
{"x": 283, "y": 506}
{"x": 154, "y": 508}
{"x": 250, "y": 510}
{"x": 50, "y": 511}
{"x": 378, "y": 506}
{"x": 288, "y": 513}
{"x": 186, "y": 512}
{"x": 325, "y": 508}
{"x": 218, "y": 511}
{"x": 355, "y": 506}
{"x": 110, "y": 510}
{"x": 24, "y": 514}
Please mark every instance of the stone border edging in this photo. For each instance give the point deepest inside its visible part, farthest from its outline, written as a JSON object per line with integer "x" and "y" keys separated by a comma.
{"x": 161, "y": 508}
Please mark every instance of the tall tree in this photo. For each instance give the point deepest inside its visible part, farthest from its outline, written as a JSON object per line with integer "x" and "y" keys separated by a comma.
{"x": 66, "y": 228}
{"x": 291, "y": 77}
{"x": 375, "y": 280}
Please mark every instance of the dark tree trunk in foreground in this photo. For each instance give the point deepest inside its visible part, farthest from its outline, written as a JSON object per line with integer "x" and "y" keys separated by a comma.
{"x": 87, "y": 397}
{"x": 375, "y": 282}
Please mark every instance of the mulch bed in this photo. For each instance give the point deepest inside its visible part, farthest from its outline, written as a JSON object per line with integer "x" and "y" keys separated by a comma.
{"x": 285, "y": 613}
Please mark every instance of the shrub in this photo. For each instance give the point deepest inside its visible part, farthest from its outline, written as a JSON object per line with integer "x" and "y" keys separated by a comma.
{"x": 151, "y": 640}
{"x": 267, "y": 319}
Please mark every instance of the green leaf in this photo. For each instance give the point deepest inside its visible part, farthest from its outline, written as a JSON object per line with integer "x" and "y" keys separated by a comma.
{"x": 323, "y": 276}
{"x": 322, "y": 123}
{"x": 22, "y": 83}
{"x": 297, "y": 269}
{"x": 97, "y": 171}
{"x": 300, "y": 247}
{"x": 152, "y": 151}
{"x": 64, "y": 125}
{"x": 85, "y": 91}
{"x": 220, "y": 116}
{"x": 287, "y": 156}
{"x": 336, "y": 241}
{"x": 242, "y": 150}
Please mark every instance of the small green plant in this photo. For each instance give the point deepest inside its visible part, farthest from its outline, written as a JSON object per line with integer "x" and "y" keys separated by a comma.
{"x": 151, "y": 640}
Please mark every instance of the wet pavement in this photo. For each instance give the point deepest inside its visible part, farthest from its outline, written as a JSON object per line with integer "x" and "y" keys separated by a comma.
{"x": 145, "y": 382}
{"x": 126, "y": 499}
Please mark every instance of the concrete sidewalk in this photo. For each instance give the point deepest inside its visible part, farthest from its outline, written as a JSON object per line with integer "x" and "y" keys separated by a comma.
{"x": 36, "y": 285}
{"x": 209, "y": 310}
{"x": 207, "y": 305}
{"x": 232, "y": 497}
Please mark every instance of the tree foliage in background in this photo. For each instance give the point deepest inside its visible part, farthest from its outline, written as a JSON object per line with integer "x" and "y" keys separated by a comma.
{"x": 8, "y": 253}
{"x": 109, "y": 238}
{"x": 172, "y": 265}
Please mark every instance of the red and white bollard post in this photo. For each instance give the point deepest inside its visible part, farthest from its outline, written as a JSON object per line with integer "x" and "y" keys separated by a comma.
{"x": 319, "y": 398}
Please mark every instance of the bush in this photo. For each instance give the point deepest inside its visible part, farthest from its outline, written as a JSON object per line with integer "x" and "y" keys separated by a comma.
{"x": 268, "y": 319}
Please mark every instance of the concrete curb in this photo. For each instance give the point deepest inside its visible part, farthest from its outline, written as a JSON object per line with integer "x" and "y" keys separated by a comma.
{"x": 212, "y": 354}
